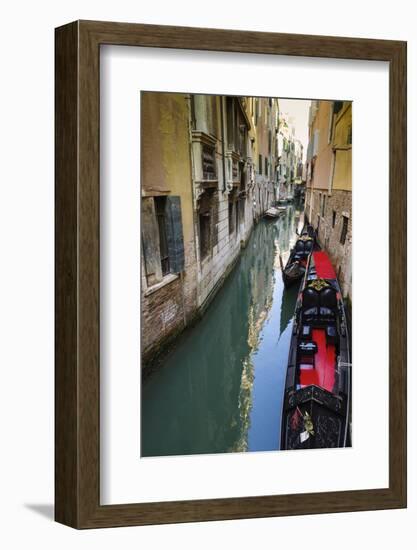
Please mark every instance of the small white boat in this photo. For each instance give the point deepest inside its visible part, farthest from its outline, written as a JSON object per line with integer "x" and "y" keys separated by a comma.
{"x": 273, "y": 212}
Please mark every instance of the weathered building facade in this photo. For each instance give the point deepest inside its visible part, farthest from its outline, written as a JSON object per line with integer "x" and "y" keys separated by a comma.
{"x": 290, "y": 159}
{"x": 328, "y": 205}
{"x": 168, "y": 266}
{"x": 223, "y": 212}
{"x": 201, "y": 188}
{"x": 263, "y": 112}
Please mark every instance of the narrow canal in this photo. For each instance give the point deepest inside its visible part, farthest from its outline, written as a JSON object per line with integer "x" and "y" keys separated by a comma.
{"x": 220, "y": 387}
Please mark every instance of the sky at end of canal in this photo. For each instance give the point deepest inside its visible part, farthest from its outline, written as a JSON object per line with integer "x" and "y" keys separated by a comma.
{"x": 296, "y": 110}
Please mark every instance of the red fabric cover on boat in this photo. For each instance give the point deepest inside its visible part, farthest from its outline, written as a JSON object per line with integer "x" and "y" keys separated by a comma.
{"x": 324, "y": 268}
{"x": 323, "y": 374}
{"x": 308, "y": 377}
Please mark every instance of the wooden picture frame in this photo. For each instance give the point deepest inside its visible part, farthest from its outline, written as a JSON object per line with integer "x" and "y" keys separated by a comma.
{"x": 77, "y": 382}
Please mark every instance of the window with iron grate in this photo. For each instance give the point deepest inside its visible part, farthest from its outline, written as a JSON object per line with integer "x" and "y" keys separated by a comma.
{"x": 209, "y": 163}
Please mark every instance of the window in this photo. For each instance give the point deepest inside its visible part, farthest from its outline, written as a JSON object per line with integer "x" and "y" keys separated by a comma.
{"x": 193, "y": 115}
{"x": 337, "y": 106}
{"x": 266, "y": 167}
{"x": 162, "y": 237}
{"x": 323, "y": 206}
{"x": 243, "y": 137}
{"x": 344, "y": 229}
{"x": 241, "y": 209}
{"x": 205, "y": 222}
{"x": 260, "y": 165}
{"x": 209, "y": 163}
{"x": 236, "y": 129}
{"x": 231, "y": 218}
{"x": 334, "y": 219}
{"x": 349, "y": 136}
{"x": 160, "y": 204}
{"x": 242, "y": 186}
{"x": 316, "y": 138}
{"x": 230, "y": 122}
{"x": 235, "y": 170}
{"x": 331, "y": 118}
{"x": 332, "y": 168}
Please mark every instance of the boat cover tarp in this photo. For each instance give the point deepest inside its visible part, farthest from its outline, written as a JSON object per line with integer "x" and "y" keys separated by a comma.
{"x": 324, "y": 268}
{"x": 323, "y": 373}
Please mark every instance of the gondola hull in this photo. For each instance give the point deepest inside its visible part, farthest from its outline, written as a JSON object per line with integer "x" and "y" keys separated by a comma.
{"x": 316, "y": 404}
{"x": 293, "y": 273}
{"x": 294, "y": 270}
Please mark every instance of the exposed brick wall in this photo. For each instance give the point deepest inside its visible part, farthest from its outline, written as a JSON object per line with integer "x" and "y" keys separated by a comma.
{"x": 167, "y": 310}
{"x": 339, "y": 201}
{"x": 162, "y": 315}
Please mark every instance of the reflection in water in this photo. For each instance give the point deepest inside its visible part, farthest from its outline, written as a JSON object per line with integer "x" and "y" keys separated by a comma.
{"x": 221, "y": 386}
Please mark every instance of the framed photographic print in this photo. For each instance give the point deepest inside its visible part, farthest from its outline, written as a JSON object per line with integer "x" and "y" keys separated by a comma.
{"x": 230, "y": 274}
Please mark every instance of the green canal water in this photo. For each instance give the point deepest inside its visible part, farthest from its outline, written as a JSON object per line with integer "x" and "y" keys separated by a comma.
{"x": 220, "y": 387}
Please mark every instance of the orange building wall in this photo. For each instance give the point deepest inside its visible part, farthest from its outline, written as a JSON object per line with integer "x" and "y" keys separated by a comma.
{"x": 323, "y": 163}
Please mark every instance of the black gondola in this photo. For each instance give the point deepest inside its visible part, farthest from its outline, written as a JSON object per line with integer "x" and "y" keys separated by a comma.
{"x": 316, "y": 405}
{"x": 295, "y": 267}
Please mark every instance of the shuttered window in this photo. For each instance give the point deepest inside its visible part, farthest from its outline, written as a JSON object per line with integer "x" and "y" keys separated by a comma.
{"x": 160, "y": 204}
{"x": 162, "y": 237}
{"x": 235, "y": 170}
{"x": 150, "y": 242}
{"x": 175, "y": 238}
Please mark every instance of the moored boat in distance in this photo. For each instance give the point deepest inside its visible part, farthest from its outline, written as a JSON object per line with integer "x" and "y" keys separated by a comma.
{"x": 316, "y": 405}
{"x": 273, "y": 212}
{"x": 295, "y": 267}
